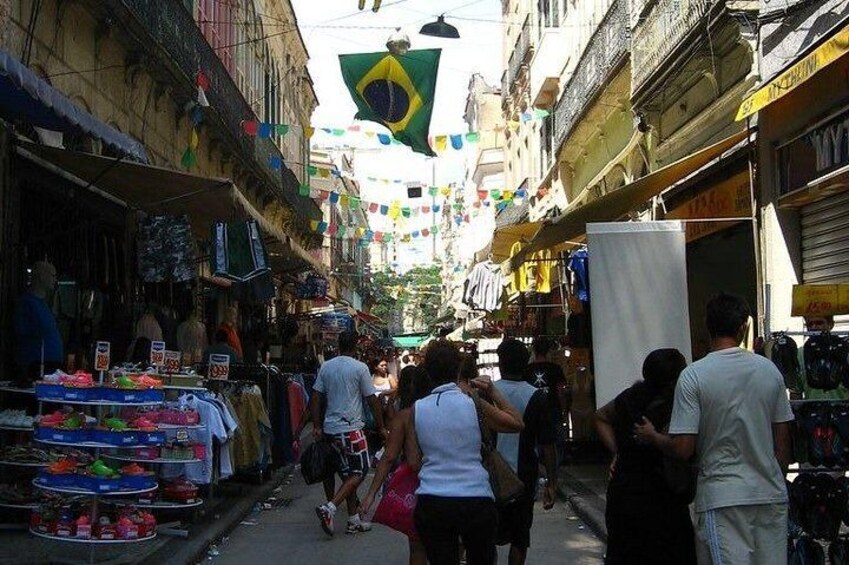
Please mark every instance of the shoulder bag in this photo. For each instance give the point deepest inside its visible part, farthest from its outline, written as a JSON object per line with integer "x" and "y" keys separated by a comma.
{"x": 506, "y": 485}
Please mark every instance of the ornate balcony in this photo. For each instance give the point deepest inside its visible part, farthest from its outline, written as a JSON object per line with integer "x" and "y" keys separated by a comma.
{"x": 602, "y": 57}
{"x": 168, "y": 30}
{"x": 664, "y": 28}
{"x": 521, "y": 56}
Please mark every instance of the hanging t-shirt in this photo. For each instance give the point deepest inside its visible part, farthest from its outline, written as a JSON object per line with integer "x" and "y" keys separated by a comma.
{"x": 484, "y": 287}
{"x": 519, "y": 277}
{"x": 579, "y": 265}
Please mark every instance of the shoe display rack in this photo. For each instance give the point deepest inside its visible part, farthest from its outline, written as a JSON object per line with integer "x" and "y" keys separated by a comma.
{"x": 17, "y": 461}
{"x": 102, "y": 483}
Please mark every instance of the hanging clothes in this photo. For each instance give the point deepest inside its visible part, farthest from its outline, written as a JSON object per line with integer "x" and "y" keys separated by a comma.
{"x": 238, "y": 252}
{"x": 214, "y": 428}
{"x": 579, "y": 265}
{"x": 519, "y": 277}
{"x": 484, "y": 287}
{"x": 539, "y": 272}
{"x": 166, "y": 249}
{"x": 252, "y": 442}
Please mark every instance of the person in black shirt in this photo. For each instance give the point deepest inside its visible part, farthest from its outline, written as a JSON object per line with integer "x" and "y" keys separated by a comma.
{"x": 520, "y": 450}
{"x": 646, "y": 521}
{"x": 548, "y": 377}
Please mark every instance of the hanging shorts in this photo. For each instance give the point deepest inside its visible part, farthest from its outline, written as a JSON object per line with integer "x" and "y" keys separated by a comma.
{"x": 352, "y": 449}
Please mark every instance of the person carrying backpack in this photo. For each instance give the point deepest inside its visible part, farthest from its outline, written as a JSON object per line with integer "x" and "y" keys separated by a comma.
{"x": 647, "y": 520}
{"x": 731, "y": 410}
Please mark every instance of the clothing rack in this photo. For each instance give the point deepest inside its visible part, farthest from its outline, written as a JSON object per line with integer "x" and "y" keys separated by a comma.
{"x": 842, "y": 333}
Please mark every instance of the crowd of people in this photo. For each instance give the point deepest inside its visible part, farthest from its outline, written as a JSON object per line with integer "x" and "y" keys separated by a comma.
{"x": 436, "y": 417}
{"x": 731, "y": 408}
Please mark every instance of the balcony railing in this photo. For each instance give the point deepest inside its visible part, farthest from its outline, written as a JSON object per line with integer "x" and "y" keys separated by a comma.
{"x": 171, "y": 28}
{"x": 606, "y": 49}
{"x": 505, "y": 86}
{"x": 521, "y": 55}
{"x": 662, "y": 30}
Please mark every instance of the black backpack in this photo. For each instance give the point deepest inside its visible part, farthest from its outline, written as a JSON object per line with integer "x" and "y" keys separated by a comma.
{"x": 825, "y": 445}
{"x": 826, "y": 361}
{"x": 819, "y": 504}
{"x": 784, "y": 353}
{"x": 318, "y": 462}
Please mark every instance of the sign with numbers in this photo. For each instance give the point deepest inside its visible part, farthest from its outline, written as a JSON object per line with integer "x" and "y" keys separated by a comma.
{"x": 157, "y": 353}
{"x": 101, "y": 356}
{"x": 219, "y": 367}
{"x": 172, "y": 361}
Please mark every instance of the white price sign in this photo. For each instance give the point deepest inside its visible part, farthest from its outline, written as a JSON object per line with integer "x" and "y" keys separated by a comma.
{"x": 101, "y": 356}
{"x": 219, "y": 367}
{"x": 157, "y": 353}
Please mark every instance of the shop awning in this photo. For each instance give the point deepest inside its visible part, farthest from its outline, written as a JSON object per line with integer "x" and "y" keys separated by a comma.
{"x": 158, "y": 190}
{"x": 411, "y": 341}
{"x": 783, "y": 84}
{"x": 506, "y": 236}
{"x": 26, "y": 97}
{"x": 610, "y": 207}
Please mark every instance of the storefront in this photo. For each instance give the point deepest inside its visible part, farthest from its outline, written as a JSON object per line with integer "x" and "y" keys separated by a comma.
{"x": 720, "y": 254}
{"x": 124, "y": 236}
{"x": 804, "y": 174}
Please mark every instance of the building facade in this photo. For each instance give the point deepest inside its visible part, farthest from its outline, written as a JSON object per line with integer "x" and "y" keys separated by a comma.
{"x": 115, "y": 105}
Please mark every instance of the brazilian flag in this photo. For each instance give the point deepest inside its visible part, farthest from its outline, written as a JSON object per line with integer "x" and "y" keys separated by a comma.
{"x": 395, "y": 91}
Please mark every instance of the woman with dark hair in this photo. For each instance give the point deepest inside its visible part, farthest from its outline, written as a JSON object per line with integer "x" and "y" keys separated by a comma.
{"x": 646, "y": 521}
{"x": 413, "y": 384}
{"x": 455, "y": 500}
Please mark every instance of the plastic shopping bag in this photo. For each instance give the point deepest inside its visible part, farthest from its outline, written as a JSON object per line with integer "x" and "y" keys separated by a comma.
{"x": 395, "y": 509}
{"x": 318, "y": 462}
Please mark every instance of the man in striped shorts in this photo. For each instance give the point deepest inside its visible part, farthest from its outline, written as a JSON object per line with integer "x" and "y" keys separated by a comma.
{"x": 342, "y": 384}
{"x": 731, "y": 410}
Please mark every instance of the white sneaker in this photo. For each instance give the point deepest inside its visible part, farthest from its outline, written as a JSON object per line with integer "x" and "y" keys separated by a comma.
{"x": 356, "y": 525}
{"x": 325, "y": 515}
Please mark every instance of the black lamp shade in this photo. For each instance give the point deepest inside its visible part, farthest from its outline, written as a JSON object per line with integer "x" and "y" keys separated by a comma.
{"x": 440, "y": 29}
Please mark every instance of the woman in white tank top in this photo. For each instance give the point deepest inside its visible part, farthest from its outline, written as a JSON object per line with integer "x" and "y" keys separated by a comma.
{"x": 455, "y": 501}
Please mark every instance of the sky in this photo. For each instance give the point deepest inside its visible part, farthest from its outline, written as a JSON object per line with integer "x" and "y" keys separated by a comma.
{"x": 334, "y": 27}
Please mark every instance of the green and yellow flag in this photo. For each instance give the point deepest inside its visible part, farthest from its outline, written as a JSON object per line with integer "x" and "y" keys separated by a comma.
{"x": 395, "y": 91}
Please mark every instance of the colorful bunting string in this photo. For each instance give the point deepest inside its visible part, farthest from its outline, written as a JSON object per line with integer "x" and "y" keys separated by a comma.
{"x": 366, "y": 235}
{"x": 440, "y": 143}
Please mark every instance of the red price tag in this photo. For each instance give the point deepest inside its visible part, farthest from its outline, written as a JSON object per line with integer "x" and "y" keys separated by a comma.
{"x": 101, "y": 356}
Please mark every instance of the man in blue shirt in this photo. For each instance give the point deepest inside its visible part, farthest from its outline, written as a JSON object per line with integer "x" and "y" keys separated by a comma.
{"x": 37, "y": 335}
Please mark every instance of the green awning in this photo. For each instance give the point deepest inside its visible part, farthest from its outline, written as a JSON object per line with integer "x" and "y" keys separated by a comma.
{"x": 409, "y": 341}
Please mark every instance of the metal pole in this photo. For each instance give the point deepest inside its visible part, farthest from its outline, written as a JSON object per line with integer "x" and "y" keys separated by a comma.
{"x": 432, "y": 205}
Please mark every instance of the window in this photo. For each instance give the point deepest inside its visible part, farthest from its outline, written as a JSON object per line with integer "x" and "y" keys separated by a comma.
{"x": 215, "y": 19}
{"x": 549, "y": 13}
{"x": 547, "y": 141}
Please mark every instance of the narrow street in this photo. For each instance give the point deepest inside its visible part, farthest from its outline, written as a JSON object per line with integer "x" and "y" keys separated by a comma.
{"x": 291, "y": 534}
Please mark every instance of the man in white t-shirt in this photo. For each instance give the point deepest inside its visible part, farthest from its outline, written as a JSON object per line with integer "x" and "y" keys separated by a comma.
{"x": 343, "y": 382}
{"x": 731, "y": 411}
